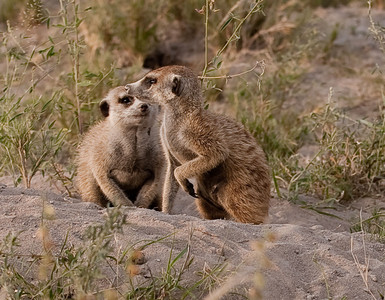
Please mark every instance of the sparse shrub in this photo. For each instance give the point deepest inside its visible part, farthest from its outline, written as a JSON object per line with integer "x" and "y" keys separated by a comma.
{"x": 280, "y": 133}
{"x": 78, "y": 271}
{"x": 350, "y": 162}
{"x": 29, "y": 140}
{"x": 133, "y": 29}
{"x": 29, "y": 137}
{"x": 349, "y": 158}
{"x": 10, "y": 9}
{"x": 72, "y": 272}
{"x": 34, "y": 13}
{"x": 375, "y": 225}
{"x": 46, "y": 93}
{"x": 28, "y": 12}
{"x": 121, "y": 24}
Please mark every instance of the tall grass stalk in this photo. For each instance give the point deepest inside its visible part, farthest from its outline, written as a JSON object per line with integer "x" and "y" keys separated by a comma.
{"x": 74, "y": 45}
{"x": 377, "y": 31}
{"x": 215, "y": 62}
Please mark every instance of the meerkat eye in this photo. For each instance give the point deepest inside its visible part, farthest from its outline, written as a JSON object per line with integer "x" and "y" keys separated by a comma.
{"x": 151, "y": 80}
{"x": 125, "y": 100}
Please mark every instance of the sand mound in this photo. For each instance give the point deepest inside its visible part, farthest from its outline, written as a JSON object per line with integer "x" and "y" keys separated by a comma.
{"x": 296, "y": 261}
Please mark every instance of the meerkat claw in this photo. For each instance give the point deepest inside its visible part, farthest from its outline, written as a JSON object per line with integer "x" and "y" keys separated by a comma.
{"x": 190, "y": 189}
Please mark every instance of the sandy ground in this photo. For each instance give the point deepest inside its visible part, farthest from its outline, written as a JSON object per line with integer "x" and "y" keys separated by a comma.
{"x": 309, "y": 255}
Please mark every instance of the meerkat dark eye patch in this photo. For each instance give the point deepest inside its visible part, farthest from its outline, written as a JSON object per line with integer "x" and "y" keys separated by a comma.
{"x": 126, "y": 100}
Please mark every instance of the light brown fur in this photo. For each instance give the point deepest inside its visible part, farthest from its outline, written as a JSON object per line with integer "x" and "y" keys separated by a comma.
{"x": 230, "y": 169}
{"x": 120, "y": 158}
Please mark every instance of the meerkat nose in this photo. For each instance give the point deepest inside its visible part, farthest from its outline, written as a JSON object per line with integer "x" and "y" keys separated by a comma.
{"x": 143, "y": 107}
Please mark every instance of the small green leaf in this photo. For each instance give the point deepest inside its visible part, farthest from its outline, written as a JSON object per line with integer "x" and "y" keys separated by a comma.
{"x": 226, "y": 23}
{"x": 14, "y": 117}
{"x": 367, "y": 123}
{"x": 85, "y": 83}
{"x": 179, "y": 256}
{"x": 51, "y": 52}
{"x": 51, "y": 124}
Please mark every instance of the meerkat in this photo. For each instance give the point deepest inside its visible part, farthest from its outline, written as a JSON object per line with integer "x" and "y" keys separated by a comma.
{"x": 231, "y": 172}
{"x": 120, "y": 159}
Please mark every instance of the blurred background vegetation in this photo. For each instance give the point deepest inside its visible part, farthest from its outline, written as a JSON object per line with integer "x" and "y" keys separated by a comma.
{"x": 59, "y": 58}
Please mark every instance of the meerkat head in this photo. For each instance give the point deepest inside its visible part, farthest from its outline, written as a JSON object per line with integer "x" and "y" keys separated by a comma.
{"x": 167, "y": 84}
{"x": 122, "y": 109}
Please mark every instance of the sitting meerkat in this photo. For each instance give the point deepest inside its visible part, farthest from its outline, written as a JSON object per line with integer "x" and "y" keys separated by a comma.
{"x": 120, "y": 158}
{"x": 231, "y": 172}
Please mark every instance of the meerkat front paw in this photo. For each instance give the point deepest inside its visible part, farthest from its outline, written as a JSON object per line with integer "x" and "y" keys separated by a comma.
{"x": 187, "y": 186}
{"x": 123, "y": 201}
{"x": 143, "y": 202}
{"x": 190, "y": 189}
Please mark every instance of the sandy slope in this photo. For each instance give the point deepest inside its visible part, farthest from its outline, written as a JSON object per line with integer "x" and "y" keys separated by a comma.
{"x": 307, "y": 261}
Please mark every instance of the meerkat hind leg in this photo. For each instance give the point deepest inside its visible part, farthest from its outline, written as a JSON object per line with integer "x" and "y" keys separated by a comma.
{"x": 210, "y": 211}
{"x": 246, "y": 209}
{"x": 93, "y": 193}
{"x": 147, "y": 194}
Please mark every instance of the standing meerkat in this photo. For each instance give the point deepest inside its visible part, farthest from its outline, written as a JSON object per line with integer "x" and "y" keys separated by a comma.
{"x": 120, "y": 158}
{"x": 230, "y": 169}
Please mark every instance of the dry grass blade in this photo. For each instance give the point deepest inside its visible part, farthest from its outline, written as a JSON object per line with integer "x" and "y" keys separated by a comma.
{"x": 363, "y": 269}
{"x": 233, "y": 281}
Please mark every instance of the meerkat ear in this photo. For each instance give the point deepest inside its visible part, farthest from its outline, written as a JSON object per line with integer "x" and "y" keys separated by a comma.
{"x": 177, "y": 85}
{"x": 104, "y": 107}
